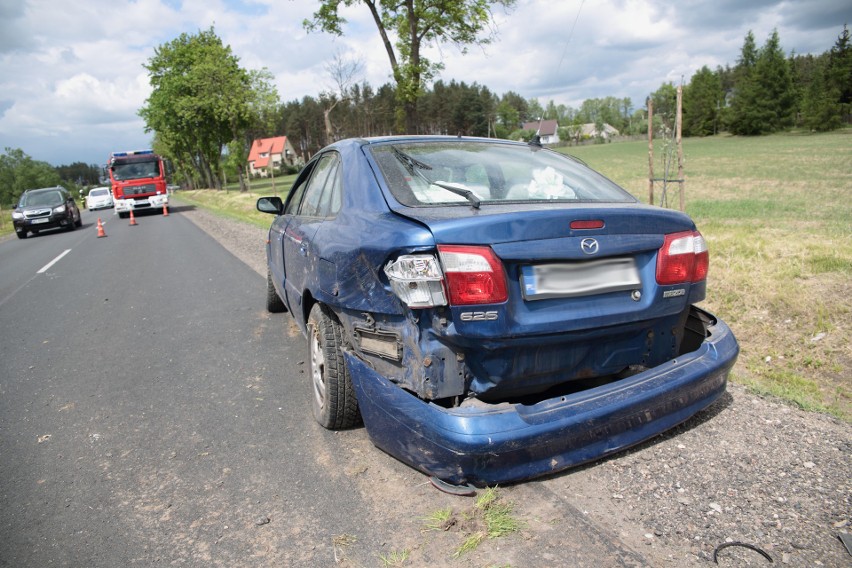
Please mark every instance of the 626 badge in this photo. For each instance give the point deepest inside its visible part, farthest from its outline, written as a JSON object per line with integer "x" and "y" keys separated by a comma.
{"x": 478, "y": 316}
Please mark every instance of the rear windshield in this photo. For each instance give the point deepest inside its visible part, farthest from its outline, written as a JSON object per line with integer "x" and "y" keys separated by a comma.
{"x": 449, "y": 172}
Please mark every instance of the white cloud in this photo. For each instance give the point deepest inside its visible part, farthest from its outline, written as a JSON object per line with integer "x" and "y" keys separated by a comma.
{"x": 72, "y": 77}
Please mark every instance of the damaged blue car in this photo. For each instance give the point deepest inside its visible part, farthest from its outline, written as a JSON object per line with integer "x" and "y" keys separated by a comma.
{"x": 493, "y": 311}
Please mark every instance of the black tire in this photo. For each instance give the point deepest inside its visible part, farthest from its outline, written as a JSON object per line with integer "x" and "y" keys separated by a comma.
{"x": 123, "y": 215}
{"x": 72, "y": 225}
{"x": 332, "y": 395}
{"x": 79, "y": 219}
{"x": 21, "y": 234}
{"x": 274, "y": 303}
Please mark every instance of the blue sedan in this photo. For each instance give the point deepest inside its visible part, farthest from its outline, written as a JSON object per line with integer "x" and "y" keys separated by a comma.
{"x": 493, "y": 311}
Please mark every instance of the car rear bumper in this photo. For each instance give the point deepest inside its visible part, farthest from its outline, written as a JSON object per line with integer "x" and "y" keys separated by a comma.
{"x": 503, "y": 443}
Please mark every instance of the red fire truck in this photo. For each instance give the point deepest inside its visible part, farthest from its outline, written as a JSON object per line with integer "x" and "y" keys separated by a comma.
{"x": 138, "y": 181}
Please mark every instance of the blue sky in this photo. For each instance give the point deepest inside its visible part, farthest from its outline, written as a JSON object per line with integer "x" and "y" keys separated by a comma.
{"x": 72, "y": 81}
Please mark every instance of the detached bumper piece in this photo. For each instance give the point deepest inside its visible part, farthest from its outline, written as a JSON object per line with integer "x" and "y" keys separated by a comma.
{"x": 513, "y": 442}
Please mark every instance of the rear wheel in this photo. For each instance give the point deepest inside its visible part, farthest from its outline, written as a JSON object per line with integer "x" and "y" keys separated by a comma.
{"x": 334, "y": 403}
{"x": 274, "y": 304}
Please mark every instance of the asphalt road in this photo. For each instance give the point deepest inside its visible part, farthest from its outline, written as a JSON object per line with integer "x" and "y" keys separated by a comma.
{"x": 153, "y": 413}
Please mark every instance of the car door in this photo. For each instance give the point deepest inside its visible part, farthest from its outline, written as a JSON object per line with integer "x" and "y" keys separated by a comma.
{"x": 300, "y": 252}
{"x": 279, "y": 228}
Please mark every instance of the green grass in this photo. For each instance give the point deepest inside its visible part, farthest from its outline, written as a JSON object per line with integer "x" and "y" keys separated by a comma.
{"x": 234, "y": 204}
{"x": 490, "y": 517}
{"x": 395, "y": 558}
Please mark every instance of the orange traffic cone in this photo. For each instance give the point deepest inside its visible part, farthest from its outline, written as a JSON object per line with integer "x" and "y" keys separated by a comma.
{"x": 132, "y": 219}
{"x": 101, "y": 232}
{"x": 165, "y": 210}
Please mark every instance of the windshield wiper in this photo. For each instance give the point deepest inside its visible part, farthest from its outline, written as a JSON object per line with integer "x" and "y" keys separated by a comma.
{"x": 413, "y": 165}
{"x": 466, "y": 193}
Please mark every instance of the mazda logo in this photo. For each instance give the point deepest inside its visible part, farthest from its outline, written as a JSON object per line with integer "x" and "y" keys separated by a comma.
{"x": 589, "y": 246}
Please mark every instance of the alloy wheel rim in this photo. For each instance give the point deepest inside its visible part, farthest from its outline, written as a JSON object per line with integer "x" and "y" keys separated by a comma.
{"x": 317, "y": 368}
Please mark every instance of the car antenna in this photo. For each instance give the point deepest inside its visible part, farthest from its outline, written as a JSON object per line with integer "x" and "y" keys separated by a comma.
{"x": 535, "y": 141}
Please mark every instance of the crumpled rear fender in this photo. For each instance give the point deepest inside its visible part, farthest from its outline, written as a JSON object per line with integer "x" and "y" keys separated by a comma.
{"x": 500, "y": 443}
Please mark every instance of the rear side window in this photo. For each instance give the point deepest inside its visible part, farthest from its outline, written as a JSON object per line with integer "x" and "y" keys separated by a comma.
{"x": 440, "y": 172}
{"x": 323, "y": 186}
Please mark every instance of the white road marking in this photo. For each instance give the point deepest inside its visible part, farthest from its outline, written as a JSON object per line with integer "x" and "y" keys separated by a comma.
{"x": 47, "y": 266}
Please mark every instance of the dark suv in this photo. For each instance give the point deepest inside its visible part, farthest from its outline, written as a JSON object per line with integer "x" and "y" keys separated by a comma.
{"x": 47, "y": 208}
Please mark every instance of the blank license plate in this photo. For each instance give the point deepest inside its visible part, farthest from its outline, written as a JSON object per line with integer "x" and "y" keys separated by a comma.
{"x": 34, "y": 221}
{"x": 566, "y": 280}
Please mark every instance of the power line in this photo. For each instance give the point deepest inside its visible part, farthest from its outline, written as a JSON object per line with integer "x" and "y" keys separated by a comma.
{"x": 570, "y": 35}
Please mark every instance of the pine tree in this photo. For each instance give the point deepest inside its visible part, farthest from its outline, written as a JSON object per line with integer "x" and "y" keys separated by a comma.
{"x": 702, "y": 99}
{"x": 820, "y": 106}
{"x": 741, "y": 118}
{"x": 839, "y": 71}
{"x": 764, "y": 98}
{"x": 777, "y": 93}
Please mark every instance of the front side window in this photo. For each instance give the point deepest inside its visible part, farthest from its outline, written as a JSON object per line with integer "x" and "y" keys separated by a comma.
{"x": 449, "y": 172}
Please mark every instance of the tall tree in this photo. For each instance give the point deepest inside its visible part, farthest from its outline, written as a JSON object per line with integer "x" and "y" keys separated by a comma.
{"x": 742, "y": 117}
{"x": 776, "y": 84}
{"x": 821, "y": 109}
{"x": 765, "y": 97}
{"x": 415, "y": 24}
{"x": 201, "y": 100}
{"x": 839, "y": 71}
{"x": 702, "y": 100}
{"x": 19, "y": 172}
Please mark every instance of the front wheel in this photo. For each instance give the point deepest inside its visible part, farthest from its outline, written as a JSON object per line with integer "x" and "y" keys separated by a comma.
{"x": 21, "y": 234}
{"x": 274, "y": 304}
{"x": 334, "y": 403}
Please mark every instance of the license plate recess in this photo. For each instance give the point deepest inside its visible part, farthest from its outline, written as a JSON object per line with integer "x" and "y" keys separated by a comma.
{"x": 576, "y": 279}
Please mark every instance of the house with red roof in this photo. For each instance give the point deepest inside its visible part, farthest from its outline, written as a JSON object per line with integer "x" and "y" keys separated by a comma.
{"x": 267, "y": 154}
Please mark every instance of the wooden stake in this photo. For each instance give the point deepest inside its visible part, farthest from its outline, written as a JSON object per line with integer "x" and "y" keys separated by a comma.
{"x": 650, "y": 151}
{"x": 679, "y": 121}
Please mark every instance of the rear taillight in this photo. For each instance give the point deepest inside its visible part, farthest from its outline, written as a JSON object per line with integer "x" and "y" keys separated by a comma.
{"x": 470, "y": 275}
{"x": 417, "y": 280}
{"x": 682, "y": 258}
{"x": 474, "y": 275}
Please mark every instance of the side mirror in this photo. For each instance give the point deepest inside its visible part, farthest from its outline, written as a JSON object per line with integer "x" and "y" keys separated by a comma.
{"x": 272, "y": 205}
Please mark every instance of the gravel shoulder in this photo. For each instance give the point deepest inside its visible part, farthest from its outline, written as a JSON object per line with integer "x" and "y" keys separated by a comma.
{"x": 749, "y": 469}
